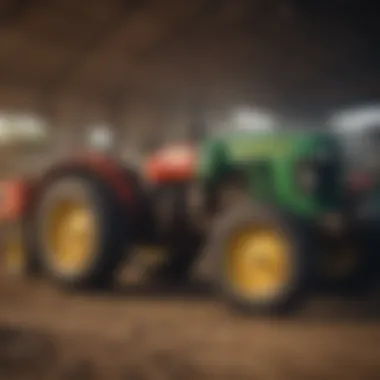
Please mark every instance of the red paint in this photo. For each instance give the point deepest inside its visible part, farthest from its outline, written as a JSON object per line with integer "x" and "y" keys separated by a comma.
{"x": 172, "y": 163}
{"x": 14, "y": 197}
{"x": 109, "y": 170}
{"x": 105, "y": 168}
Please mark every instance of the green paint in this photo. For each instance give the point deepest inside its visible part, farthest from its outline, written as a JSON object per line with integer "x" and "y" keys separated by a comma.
{"x": 269, "y": 161}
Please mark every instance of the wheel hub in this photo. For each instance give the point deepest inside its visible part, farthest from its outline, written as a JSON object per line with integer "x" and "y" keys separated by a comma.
{"x": 258, "y": 263}
{"x": 70, "y": 235}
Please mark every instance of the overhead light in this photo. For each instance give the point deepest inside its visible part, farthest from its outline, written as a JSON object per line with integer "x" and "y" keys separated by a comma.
{"x": 21, "y": 129}
{"x": 356, "y": 119}
{"x": 251, "y": 119}
{"x": 101, "y": 137}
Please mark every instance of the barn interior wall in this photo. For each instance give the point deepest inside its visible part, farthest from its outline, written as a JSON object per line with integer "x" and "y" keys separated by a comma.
{"x": 138, "y": 128}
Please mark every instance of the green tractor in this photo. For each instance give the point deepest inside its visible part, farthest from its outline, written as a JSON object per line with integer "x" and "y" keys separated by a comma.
{"x": 300, "y": 177}
{"x": 261, "y": 211}
{"x": 358, "y": 130}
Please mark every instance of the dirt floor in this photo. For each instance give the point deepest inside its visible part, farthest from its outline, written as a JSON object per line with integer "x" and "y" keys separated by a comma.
{"x": 147, "y": 334}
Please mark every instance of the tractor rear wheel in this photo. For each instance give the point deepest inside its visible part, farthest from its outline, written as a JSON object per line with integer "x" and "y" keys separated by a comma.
{"x": 79, "y": 231}
{"x": 348, "y": 263}
{"x": 261, "y": 261}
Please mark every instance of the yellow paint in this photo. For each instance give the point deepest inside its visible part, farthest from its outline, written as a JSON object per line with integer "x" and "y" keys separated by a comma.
{"x": 245, "y": 149}
{"x": 70, "y": 235}
{"x": 258, "y": 264}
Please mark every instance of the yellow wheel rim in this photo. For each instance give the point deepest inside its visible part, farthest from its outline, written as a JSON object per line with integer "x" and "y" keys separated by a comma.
{"x": 258, "y": 262}
{"x": 69, "y": 235}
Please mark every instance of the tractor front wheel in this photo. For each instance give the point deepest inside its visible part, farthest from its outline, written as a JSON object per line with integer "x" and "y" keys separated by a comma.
{"x": 261, "y": 261}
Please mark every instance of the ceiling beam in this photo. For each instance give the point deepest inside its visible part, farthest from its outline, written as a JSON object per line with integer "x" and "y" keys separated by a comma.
{"x": 97, "y": 41}
{"x": 158, "y": 25}
{"x": 11, "y": 10}
{"x": 196, "y": 35}
{"x": 172, "y": 30}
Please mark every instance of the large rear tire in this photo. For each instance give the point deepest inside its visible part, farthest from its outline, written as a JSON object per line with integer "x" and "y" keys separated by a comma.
{"x": 346, "y": 265}
{"x": 80, "y": 231}
{"x": 261, "y": 260}
{"x": 349, "y": 260}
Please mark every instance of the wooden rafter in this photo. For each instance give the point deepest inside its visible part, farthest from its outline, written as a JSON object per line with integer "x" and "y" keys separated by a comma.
{"x": 11, "y": 10}
{"x": 95, "y": 43}
{"x": 228, "y": 50}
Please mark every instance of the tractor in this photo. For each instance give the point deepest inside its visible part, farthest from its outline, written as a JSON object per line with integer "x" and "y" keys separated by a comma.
{"x": 263, "y": 212}
{"x": 358, "y": 130}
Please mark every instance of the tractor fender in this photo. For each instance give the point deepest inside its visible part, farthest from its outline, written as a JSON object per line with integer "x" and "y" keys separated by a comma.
{"x": 103, "y": 167}
{"x": 20, "y": 197}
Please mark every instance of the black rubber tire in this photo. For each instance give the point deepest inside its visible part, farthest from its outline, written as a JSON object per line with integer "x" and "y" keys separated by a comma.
{"x": 111, "y": 223}
{"x": 302, "y": 257}
{"x": 368, "y": 276}
{"x": 363, "y": 235}
{"x": 373, "y": 243}
{"x": 354, "y": 282}
{"x": 33, "y": 266}
{"x": 360, "y": 236}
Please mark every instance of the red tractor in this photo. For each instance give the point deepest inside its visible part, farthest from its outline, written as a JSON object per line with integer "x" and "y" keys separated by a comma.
{"x": 69, "y": 217}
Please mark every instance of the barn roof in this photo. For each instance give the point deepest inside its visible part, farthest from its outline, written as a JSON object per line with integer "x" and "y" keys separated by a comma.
{"x": 99, "y": 57}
